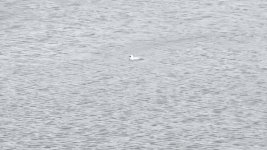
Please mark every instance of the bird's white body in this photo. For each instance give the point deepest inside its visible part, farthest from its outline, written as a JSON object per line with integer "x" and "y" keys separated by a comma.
{"x": 135, "y": 58}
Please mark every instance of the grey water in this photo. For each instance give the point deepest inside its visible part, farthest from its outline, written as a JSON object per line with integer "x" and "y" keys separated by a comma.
{"x": 66, "y": 82}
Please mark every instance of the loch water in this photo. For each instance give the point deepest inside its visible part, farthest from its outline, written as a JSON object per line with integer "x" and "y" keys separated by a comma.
{"x": 66, "y": 82}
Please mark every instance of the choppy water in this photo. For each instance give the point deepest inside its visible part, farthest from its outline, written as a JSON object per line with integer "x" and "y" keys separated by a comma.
{"x": 66, "y": 82}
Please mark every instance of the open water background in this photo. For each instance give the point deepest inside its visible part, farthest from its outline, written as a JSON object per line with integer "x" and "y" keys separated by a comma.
{"x": 66, "y": 82}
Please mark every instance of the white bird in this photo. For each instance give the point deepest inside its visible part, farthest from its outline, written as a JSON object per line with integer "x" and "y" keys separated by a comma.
{"x": 135, "y": 58}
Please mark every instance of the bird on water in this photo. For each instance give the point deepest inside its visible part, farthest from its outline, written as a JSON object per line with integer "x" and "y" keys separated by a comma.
{"x": 131, "y": 57}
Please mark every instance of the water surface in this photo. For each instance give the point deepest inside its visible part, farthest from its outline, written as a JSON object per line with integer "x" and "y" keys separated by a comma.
{"x": 66, "y": 82}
